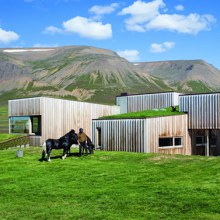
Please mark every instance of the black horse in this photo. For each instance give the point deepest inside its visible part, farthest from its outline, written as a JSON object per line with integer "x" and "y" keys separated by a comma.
{"x": 65, "y": 143}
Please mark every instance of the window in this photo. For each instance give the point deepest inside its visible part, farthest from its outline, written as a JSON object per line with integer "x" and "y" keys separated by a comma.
{"x": 170, "y": 142}
{"x": 213, "y": 141}
{"x": 19, "y": 125}
{"x": 177, "y": 141}
{"x": 25, "y": 125}
{"x": 99, "y": 136}
{"x": 200, "y": 141}
{"x": 164, "y": 142}
{"x": 36, "y": 124}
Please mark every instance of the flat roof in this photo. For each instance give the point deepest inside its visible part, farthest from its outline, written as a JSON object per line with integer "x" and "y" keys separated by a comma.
{"x": 205, "y": 93}
{"x": 38, "y": 97}
{"x": 144, "y": 114}
{"x": 146, "y": 93}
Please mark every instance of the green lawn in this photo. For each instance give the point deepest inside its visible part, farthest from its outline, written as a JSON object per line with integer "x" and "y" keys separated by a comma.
{"x": 109, "y": 185}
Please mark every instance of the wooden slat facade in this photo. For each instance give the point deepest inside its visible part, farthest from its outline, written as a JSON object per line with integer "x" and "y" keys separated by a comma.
{"x": 169, "y": 126}
{"x": 59, "y": 116}
{"x": 134, "y": 103}
{"x": 120, "y": 135}
{"x": 203, "y": 110}
{"x": 142, "y": 135}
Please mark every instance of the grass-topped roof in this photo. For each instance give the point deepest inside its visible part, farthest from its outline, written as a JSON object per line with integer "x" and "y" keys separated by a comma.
{"x": 145, "y": 114}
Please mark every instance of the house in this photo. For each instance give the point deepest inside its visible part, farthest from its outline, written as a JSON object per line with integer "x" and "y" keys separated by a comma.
{"x": 44, "y": 118}
{"x": 195, "y": 129}
{"x": 155, "y": 134}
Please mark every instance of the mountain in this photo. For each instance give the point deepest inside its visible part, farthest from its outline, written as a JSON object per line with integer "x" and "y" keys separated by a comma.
{"x": 185, "y": 75}
{"x": 76, "y": 72}
{"x": 96, "y": 75}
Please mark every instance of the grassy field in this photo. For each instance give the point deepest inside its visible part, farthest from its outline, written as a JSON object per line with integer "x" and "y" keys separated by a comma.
{"x": 109, "y": 185}
{"x": 4, "y": 137}
{"x": 3, "y": 118}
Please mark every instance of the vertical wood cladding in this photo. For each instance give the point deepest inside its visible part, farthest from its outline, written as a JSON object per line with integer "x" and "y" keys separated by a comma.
{"x": 142, "y": 135}
{"x": 169, "y": 126}
{"x": 120, "y": 135}
{"x": 24, "y": 107}
{"x": 202, "y": 109}
{"x": 59, "y": 116}
{"x": 147, "y": 101}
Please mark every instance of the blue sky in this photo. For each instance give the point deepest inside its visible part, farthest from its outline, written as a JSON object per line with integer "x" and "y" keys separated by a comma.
{"x": 148, "y": 30}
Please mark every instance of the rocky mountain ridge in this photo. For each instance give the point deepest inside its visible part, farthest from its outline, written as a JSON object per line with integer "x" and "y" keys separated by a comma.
{"x": 97, "y": 75}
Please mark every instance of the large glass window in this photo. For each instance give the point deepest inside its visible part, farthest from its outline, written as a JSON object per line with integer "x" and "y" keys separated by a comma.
{"x": 25, "y": 125}
{"x": 19, "y": 125}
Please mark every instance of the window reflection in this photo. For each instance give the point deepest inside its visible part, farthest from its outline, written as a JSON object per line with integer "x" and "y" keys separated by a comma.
{"x": 19, "y": 125}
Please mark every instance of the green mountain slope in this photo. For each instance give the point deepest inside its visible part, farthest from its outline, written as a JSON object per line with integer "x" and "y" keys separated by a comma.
{"x": 82, "y": 73}
{"x": 185, "y": 75}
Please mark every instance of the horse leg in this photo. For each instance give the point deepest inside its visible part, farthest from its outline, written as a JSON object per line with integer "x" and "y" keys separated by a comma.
{"x": 68, "y": 151}
{"x": 48, "y": 151}
{"x": 48, "y": 155}
{"x": 43, "y": 155}
{"x": 65, "y": 151}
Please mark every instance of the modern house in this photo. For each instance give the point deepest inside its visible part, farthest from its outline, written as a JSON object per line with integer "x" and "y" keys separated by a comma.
{"x": 45, "y": 118}
{"x": 194, "y": 130}
{"x": 166, "y": 134}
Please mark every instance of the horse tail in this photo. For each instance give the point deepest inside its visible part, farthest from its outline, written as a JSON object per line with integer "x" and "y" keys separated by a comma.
{"x": 43, "y": 150}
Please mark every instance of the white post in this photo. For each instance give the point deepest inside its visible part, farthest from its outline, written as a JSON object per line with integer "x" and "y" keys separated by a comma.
{"x": 30, "y": 126}
{"x": 208, "y": 143}
{"x": 9, "y": 126}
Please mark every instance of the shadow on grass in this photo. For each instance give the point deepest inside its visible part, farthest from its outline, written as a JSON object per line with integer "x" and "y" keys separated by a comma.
{"x": 60, "y": 157}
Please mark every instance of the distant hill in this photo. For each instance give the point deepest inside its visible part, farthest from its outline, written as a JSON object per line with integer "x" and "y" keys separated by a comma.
{"x": 96, "y": 75}
{"x": 185, "y": 75}
{"x": 81, "y": 72}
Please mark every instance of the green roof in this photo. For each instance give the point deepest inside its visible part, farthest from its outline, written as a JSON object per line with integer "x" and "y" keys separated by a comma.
{"x": 145, "y": 114}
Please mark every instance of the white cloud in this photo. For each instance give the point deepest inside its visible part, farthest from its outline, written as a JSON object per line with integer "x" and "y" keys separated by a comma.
{"x": 179, "y": 7}
{"x": 88, "y": 28}
{"x": 147, "y": 16}
{"x": 160, "y": 48}
{"x": 8, "y": 36}
{"x": 52, "y": 30}
{"x": 141, "y": 12}
{"x": 130, "y": 55}
{"x": 191, "y": 24}
{"x": 101, "y": 10}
